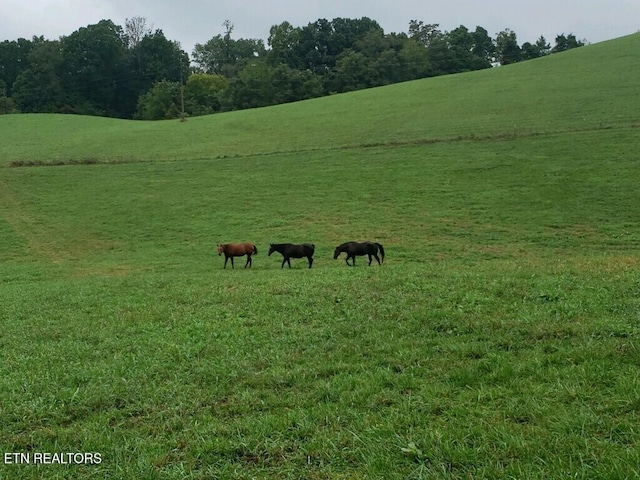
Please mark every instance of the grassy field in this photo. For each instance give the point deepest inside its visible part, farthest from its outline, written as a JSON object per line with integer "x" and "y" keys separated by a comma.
{"x": 498, "y": 340}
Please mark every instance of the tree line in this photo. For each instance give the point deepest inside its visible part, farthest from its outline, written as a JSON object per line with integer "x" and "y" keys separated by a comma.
{"x": 136, "y": 72}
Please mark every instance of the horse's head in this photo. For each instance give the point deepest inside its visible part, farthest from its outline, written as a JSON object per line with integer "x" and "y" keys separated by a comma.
{"x": 336, "y": 254}
{"x": 220, "y": 249}
{"x": 271, "y": 249}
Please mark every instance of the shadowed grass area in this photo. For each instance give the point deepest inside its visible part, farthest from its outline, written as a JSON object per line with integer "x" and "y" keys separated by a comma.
{"x": 498, "y": 340}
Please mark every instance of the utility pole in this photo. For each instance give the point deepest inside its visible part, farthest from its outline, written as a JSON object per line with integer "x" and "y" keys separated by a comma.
{"x": 183, "y": 118}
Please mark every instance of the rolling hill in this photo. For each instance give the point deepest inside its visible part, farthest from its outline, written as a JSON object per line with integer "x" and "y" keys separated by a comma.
{"x": 585, "y": 89}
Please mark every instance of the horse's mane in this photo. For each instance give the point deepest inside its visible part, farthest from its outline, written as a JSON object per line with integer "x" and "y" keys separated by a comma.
{"x": 344, "y": 244}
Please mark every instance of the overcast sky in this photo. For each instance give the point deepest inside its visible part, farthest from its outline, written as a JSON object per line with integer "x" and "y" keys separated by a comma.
{"x": 196, "y": 21}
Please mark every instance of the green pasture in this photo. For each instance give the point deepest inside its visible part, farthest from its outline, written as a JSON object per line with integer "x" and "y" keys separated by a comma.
{"x": 586, "y": 89}
{"x": 499, "y": 339}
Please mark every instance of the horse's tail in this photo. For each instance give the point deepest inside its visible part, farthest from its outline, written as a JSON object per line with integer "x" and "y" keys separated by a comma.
{"x": 255, "y": 250}
{"x": 381, "y": 251}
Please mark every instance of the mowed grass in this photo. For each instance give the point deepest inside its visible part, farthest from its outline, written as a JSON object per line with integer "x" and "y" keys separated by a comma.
{"x": 498, "y": 340}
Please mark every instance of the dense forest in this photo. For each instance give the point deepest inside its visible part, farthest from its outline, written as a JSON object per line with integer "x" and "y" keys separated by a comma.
{"x": 136, "y": 72}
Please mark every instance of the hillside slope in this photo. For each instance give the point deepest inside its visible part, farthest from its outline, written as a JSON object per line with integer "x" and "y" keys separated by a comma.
{"x": 594, "y": 87}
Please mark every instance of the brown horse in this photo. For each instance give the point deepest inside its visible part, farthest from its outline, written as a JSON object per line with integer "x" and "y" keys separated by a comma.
{"x": 231, "y": 250}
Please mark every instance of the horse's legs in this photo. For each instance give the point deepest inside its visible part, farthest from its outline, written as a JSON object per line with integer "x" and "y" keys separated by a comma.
{"x": 310, "y": 261}
{"x": 248, "y": 261}
{"x": 232, "y": 265}
{"x": 289, "y": 261}
{"x": 370, "y": 259}
{"x": 284, "y": 259}
{"x": 377, "y": 258}
{"x": 225, "y": 261}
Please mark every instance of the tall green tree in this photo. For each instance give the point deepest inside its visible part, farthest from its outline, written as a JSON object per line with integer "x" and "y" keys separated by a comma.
{"x": 153, "y": 58}
{"x": 323, "y": 41}
{"x": 483, "y": 50}
{"x": 383, "y": 52}
{"x": 507, "y": 48}
{"x": 313, "y": 48}
{"x": 425, "y": 33}
{"x": 222, "y": 55}
{"x": 283, "y": 42}
{"x": 292, "y": 85}
{"x": 161, "y": 102}
{"x": 251, "y": 88}
{"x": 535, "y": 50}
{"x": 414, "y": 60}
{"x": 543, "y": 46}
{"x": 260, "y": 84}
{"x": 566, "y": 42}
{"x": 202, "y": 93}
{"x": 354, "y": 71}
{"x": 347, "y": 32}
{"x": 14, "y": 59}
{"x": 38, "y": 88}
{"x": 94, "y": 66}
{"x": 461, "y": 45}
{"x": 440, "y": 57}
{"x": 6, "y": 103}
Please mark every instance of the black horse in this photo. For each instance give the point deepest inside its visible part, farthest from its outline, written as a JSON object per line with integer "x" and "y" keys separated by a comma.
{"x": 290, "y": 250}
{"x": 356, "y": 248}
